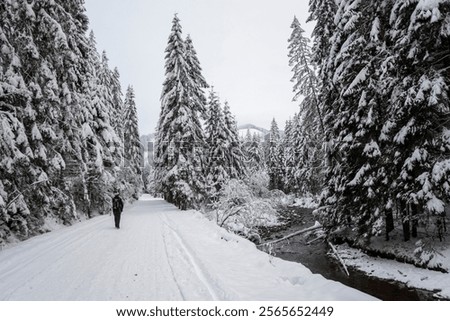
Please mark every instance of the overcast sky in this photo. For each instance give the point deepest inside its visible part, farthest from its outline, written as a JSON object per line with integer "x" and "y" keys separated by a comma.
{"x": 241, "y": 45}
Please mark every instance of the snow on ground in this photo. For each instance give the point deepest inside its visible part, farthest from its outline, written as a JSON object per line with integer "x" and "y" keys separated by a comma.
{"x": 402, "y": 272}
{"x": 306, "y": 202}
{"x": 160, "y": 253}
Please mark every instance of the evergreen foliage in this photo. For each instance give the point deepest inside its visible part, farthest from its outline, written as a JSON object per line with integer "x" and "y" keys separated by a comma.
{"x": 386, "y": 127}
{"x": 218, "y": 169}
{"x": 274, "y": 158}
{"x": 58, "y": 149}
{"x": 192, "y": 162}
{"x": 417, "y": 126}
{"x": 133, "y": 157}
{"x": 306, "y": 136}
{"x": 195, "y": 71}
{"x": 117, "y": 102}
{"x": 237, "y": 167}
{"x": 179, "y": 157}
{"x": 253, "y": 152}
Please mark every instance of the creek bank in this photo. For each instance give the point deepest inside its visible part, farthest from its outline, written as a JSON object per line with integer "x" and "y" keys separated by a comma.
{"x": 316, "y": 257}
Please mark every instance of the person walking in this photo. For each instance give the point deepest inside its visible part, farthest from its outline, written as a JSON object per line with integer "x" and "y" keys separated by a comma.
{"x": 117, "y": 209}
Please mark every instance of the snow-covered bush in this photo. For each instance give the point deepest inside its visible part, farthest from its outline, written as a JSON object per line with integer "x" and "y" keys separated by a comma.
{"x": 257, "y": 182}
{"x": 279, "y": 198}
{"x": 240, "y": 211}
{"x": 307, "y": 201}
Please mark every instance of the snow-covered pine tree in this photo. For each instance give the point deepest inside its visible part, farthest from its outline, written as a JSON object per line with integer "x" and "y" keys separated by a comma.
{"x": 58, "y": 134}
{"x": 417, "y": 130}
{"x": 248, "y": 135}
{"x": 386, "y": 127}
{"x": 218, "y": 156}
{"x": 356, "y": 182}
{"x": 307, "y": 85}
{"x": 288, "y": 158}
{"x": 253, "y": 150}
{"x": 43, "y": 40}
{"x": 102, "y": 151}
{"x": 273, "y": 158}
{"x": 198, "y": 98}
{"x": 117, "y": 102}
{"x": 297, "y": 178}
{"x": 237, "y": 167}
{"x": 323, "y": 13}
{"x": 179, "y": 158}
{"x": 15, "y": 152}
{"x": 46, "y": 43}
{"x": 305, "y": 81}
{"x": 106, "y": 79}
{"x": 132, "y": 147}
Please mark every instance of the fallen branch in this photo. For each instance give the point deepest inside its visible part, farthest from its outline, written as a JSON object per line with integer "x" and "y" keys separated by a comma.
{"x": 312, "y": 228}
{"x": 339, "y": 257}
{"x": 316, "y": 239}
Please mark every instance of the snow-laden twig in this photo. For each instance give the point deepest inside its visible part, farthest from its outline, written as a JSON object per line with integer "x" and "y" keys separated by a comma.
{"x": 230, "y": 214}
{"x": 339, "y": 257}
{"x": 20, "y": 194}
{"x": 316, "y": 226}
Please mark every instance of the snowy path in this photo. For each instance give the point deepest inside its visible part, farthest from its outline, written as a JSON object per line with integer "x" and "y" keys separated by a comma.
{"x": 160, "y": 253}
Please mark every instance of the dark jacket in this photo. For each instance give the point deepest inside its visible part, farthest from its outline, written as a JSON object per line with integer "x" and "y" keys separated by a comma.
{"x": 117, "y": 204}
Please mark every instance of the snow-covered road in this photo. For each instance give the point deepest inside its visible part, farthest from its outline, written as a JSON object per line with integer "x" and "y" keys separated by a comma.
{"x": 160, "y": 253}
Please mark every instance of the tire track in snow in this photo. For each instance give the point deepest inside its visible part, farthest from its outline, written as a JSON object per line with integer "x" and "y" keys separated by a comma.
{"x": 171, "y": 267}
{"x": 199, "y": 271}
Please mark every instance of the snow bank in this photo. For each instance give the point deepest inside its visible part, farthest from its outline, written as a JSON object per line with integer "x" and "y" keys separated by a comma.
{"x": 239, "y": 271}
{"x": 401, "y": 272}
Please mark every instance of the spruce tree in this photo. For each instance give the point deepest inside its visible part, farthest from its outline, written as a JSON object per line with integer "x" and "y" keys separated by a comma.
{"x": 132, "y": 146}
{"x": 254, "y": 154}
{"x": 237, "y": 168}
{"x": 179, "y": 158}
{"x": 218, "y": 155}
{"x": 117, "y": 103}
{"x": 311, "y": 160}
{"x": 355, "y": 189}
{"x": 59, "y": 150}
{"x": 46, "y": 74}
{"x": 273, "y": 158}
{"x": 15, "y": 152}
{"x": 386, "y": 127}
{"x": 195, "y": 72}
{"x": 102, "y": 146}
{"x": 288, "y": 158}
{"x": 305, "y": 80}
{"x": 416, "y": 131}
{"x": 323, "y": 12}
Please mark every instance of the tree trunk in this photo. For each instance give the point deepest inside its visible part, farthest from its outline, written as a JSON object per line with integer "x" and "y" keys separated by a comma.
{"x": 414, "y": 225}
{"x": 414, "y": 220}
{"x": 444, "y": 222}
{"x": 389, "y": 223}
{"x": 406, "y": 231}
{"x": 405, "y": 221}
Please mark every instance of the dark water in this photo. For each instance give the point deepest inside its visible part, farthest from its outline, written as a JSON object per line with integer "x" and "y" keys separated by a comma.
{"x": 315, "y": 257}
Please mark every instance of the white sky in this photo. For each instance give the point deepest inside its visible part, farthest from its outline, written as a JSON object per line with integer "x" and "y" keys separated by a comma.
{"x": 241, "y": 45}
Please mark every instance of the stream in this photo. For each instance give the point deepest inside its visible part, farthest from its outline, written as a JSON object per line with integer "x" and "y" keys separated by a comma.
{"x": 315, "y": 257}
